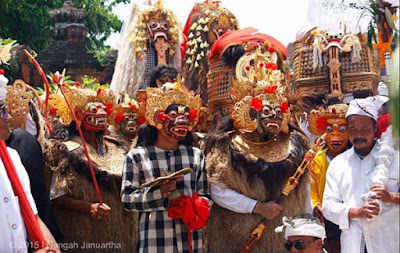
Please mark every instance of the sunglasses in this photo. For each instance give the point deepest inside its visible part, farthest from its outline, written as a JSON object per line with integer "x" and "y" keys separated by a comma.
{"x": 298, "y": 244}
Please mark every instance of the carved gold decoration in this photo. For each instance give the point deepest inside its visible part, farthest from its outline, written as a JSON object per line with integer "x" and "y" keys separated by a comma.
{"x": 255, "y": 81}
{"x": 17, "y": 101}
{"x": 333, "y": 111}
{"x": 78, "y": 97}
{"x": 273, "y": 150}
{"x": 158, "y": 100}
{"x": 141, "y": 34}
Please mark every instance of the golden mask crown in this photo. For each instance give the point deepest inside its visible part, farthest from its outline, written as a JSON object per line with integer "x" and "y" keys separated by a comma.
{"x": 140, "y": 34}
{"x": 158, "y": 100}
{"x": 17, "y": 101}
{"x": 258, "y": 80}
{"x": 128, "y": 105}
{"x": 331, "y": 112}
{"x": 78, "y": 97}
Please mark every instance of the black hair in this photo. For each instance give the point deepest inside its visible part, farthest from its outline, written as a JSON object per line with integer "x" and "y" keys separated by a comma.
{"x": 160, "y": 72}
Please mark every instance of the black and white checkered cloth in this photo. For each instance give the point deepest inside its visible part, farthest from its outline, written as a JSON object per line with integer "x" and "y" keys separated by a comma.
{"x": 157, "y": 231}
{"x": 151, "y": 63}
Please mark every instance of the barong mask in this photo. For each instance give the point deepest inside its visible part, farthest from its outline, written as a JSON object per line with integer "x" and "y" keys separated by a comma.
{"x": 128, "y": 116}
{"x": 92, "y": 108}
{"x": 158, "y": 27}
{"x": 171, "y": 108}
{"x": 258, "y": 94}
{"x": 331, "y": 121}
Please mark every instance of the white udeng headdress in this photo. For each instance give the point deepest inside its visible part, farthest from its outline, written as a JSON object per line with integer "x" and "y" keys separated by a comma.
{"x": 364, "y": 107}
{"x": 301, "y": 227}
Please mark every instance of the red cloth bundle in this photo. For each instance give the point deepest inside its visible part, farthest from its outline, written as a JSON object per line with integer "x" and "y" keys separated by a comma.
{"x": 193, "y": 211}
{"x": 383, "y": 124}
{"x": 31, "y": 225}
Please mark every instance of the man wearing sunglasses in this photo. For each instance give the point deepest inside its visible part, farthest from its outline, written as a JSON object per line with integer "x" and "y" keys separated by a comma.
{"x": 303, "y": 234}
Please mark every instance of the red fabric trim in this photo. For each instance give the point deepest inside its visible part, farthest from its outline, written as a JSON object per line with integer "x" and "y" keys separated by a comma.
{"x": 241, "y": 36}
{"x": 31, "y": 225}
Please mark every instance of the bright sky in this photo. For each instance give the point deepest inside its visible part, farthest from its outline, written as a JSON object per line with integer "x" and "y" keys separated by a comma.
{"x": 281, "y": 19}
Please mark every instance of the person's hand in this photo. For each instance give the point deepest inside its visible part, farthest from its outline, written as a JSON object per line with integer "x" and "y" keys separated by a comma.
{"x": 381, "y": 193}
{"x": 99, "y": 211}
{"x": 268, "y": 210}
{"x": 168, "y": 186}
{"x": 317, "y": 212}
{"x": 367, "y": 211}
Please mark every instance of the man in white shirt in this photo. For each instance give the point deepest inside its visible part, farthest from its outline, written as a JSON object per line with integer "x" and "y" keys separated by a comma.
{"x": 13, "y": 236}
{"x": 366, "y": 226}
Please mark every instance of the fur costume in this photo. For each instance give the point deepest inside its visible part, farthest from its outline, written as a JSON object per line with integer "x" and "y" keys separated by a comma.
{"x": 253, "y": 153}
{"x": 71, "y": 173}
{"x": 138, "y": 56}
{"x": 206, "y": 23}
{"x": 256, "y": 178}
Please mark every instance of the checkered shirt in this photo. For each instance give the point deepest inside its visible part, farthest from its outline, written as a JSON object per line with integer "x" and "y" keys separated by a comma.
{"x": 157, "y": 231}
{"x": 151, "y": 63}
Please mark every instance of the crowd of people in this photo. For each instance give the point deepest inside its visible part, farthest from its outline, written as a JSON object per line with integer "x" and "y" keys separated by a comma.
{"x": 201, "y": 145}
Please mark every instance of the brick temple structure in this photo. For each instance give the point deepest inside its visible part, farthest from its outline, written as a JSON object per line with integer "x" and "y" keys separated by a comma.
{"x": 70, "y": 50}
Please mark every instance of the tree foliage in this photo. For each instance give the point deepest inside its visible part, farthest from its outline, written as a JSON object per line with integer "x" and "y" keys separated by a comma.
{"x": 28, "y": 21}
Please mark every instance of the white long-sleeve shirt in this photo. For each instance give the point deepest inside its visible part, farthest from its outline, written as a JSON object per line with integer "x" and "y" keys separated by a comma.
{"x": 239, "y": 203}
{"x": 346, "y": 181}
{"x": 12, "y": 228}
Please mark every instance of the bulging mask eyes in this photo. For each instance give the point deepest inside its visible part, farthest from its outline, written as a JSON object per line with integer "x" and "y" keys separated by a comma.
{"x": 173, "y": 114}
{"x": 329, "y": 128}
{"x": 93, "y": 109}
{"x": 342, "y": 128}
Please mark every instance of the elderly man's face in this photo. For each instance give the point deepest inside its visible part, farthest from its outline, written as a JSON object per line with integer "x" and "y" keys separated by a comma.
{"x": 361, "y": 133}
{"x": 304, "y": 244}
{"x": 5, "y": 118}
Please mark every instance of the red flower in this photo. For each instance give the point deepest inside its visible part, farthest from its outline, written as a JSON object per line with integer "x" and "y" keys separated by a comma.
{"x": 322, "y": 123}
{"x": 2, "y": 72}
{"x": 256, "y": 103}
{"x": 271, "y": 49}
{"x": 247, "y": 68}
{"x": 132, "y": 106}
{"x": 119, "y": 117}
{"x": 285, "y": 107}
{"x": 141, "y": 120}
{"x": 77, "y": 84}
{"x": 255, "y": 46}
{"x": 268, "y": 65}
{"x": 270, "y": 89}
{"x": 109, "y": 108}
{"x": 193, "y": 115}
{"x": 274, "y": 66}
{"x": 53, "y": 111}
{"x": 162, "y": 117}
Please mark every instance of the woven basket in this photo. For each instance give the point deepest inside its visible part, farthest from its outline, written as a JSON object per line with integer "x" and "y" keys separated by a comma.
{"x": 355, "y": 76}
{"x": 219, "y": 84}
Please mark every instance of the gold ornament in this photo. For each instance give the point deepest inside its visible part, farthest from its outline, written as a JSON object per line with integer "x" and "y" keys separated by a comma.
{"x": 333, "y": 111}
{"x": 257, "y": 78}
{"x": 17, "y": 101}
{"x": 128, "y": 105}
{"x": 78, "y": 97}
{"x": 158, "y": 99}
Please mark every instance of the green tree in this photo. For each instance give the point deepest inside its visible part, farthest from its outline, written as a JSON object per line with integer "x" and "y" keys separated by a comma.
{"x": 28, "y": 21}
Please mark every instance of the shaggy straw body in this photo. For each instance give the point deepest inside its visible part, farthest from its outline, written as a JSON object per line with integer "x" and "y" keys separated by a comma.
{"x": 227, "y": 231}
{"x": 72, "y": 172}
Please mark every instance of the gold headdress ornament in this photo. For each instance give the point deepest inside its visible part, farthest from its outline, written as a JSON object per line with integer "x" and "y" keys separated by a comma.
{"x": 201, "y": 35}
{"x": 317, "y": 118}
{"x": 127, "y": 106}
{"x": 17, "y": 101}
{"x": 141, "y": 34}
{"x": 79, "y": 97}
{"x": 258, "y": 82}
{"x": 158, "y": 100}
